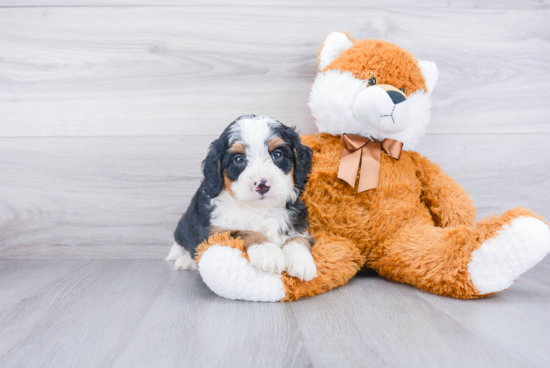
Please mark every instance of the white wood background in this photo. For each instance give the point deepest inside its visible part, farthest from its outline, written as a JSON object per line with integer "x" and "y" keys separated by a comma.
{"x": 107, "y": 108}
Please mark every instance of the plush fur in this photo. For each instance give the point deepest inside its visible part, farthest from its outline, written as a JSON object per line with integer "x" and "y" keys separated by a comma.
{"x": 356, "y": 90}
{"x": 418, "y": 226}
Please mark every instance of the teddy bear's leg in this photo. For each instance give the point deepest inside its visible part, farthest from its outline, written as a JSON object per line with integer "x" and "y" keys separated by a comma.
{"x": 229, "y": 274}
{"x": 226, "y": 270}
{"x": 464, "y": 262}
{"x": 337, "y": 260}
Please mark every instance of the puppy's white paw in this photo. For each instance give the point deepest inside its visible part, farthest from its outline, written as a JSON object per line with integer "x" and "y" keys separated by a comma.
{"x": 299, "y": 262}
{"x": 175, "y": 252}
{"x": 185, "y": 262}
{"x": 267, "y": 257}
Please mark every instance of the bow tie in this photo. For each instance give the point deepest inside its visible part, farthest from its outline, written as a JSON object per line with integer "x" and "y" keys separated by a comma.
{"x": 362, "y": 150}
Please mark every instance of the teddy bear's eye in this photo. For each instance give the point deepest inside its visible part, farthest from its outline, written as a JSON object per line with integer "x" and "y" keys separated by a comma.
{"x": 402, "y": 89}
{"x": 372, "y": 81}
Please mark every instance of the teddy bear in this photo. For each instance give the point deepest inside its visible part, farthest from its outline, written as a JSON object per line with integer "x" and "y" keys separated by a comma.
{"x": 375, "y": 203}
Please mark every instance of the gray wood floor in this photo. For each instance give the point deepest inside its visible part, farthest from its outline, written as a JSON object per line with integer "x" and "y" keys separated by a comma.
{"x": 141, "y": 313}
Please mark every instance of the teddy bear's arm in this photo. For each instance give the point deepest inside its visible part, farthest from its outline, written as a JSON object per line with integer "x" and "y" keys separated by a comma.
{"x": 447, "y": 201}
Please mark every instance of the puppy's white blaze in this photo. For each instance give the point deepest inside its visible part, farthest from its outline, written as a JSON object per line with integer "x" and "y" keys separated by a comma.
{"x": 254, "y": 133}
{"x": 230, "y": 275}
{"x": 281, "y": 185}
{"x": 332, "y": 100}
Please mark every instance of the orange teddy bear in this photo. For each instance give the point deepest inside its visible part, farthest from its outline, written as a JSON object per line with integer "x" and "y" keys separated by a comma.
{"x": 407, "y": 219}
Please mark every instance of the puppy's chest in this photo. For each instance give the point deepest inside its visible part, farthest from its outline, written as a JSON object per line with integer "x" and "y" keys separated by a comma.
{"x": 273, "y": 223}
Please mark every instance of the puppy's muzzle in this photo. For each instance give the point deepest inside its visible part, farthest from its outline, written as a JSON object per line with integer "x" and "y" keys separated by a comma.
{"x": 261, "y": 187}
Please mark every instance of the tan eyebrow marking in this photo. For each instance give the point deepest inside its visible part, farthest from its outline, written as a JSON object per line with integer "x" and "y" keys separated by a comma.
{"x": 274, "y": 143}
{"x": 237, "y": 148}
{"x": 227, "y": 183}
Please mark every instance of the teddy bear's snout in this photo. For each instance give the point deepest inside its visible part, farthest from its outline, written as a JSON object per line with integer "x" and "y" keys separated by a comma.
{"x": 396, "y": 97}
{"x": 382, "y": 107}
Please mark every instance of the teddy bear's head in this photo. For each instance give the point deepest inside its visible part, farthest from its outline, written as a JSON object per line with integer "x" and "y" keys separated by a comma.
{"x": 372, "y": 88}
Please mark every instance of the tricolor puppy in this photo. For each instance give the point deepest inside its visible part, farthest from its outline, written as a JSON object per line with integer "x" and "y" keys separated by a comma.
{"x": 254, "y": 174}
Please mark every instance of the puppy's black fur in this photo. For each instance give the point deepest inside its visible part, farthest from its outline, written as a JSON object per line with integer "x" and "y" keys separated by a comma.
{"x": 194, "y": 225}
{"x": 302, "y": 168}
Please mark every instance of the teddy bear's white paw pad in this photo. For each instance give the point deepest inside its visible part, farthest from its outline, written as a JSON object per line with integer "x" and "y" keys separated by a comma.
{"x": 500, "y": 261}
{"x": 229, "y": 274}
{"x": 299, "y": 262}
{"x": 267, "y": 257}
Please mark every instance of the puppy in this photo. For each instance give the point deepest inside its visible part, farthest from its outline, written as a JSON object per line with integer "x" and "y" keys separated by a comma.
{"x": 254, "y": 174}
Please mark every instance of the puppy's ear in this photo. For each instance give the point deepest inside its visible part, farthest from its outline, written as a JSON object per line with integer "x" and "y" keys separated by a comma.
{"x": 302, "y": 157}
{"x": 212, "y": 168}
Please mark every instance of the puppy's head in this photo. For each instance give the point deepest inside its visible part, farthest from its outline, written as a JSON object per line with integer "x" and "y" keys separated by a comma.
{"x": 258, "y": 161}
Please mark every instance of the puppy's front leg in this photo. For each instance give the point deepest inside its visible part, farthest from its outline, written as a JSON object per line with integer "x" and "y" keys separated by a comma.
{"x": 182, "y": 257}
{"x": 299, "y": 262}
{"x": 262, "y": 253}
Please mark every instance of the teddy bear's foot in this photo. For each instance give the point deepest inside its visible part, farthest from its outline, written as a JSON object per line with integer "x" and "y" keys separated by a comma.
{"x": 499, "y": 261}
{"x": 229, "y": 274}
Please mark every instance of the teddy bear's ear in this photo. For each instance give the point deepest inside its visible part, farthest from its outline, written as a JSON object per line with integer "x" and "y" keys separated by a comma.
{"x": 334, "y": 45}
{"x": 430, "y": 73}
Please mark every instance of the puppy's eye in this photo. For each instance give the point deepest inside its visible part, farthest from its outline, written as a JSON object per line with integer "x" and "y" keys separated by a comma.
{"x": 239, "y": 160}
{"x": 402, "y": 89}
{"x": 277, "y": 155}
{"x": 372, "y": 81}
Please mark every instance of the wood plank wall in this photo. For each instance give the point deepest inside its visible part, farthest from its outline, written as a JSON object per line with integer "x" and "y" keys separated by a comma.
{"x": 107, "y": 108}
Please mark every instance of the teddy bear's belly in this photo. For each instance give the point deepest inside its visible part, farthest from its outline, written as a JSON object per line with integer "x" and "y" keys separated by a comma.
{"x": 368, "y": 220}
{"x": 369, "y": 217}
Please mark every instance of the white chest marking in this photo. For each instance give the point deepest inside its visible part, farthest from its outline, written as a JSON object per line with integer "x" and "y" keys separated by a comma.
{"x": 272, "y": 222}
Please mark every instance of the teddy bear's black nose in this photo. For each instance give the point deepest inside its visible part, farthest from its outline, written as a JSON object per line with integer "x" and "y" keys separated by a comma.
{"x": 396, "y": 97}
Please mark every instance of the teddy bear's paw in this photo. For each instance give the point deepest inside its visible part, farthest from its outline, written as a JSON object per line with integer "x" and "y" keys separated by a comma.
{"x": 267, "y": 256}
{"x": 501, "y": 260}
{"x": 299, "y": 262}
{"x": 229, "y": 274}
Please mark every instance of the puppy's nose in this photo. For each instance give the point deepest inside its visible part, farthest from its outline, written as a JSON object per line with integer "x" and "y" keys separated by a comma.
{"x": 262, "y": 187}
{"x": 396, "y": 97}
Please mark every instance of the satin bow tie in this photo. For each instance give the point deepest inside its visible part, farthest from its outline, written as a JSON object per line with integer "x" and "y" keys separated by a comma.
{"x": 362, "y": 150}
